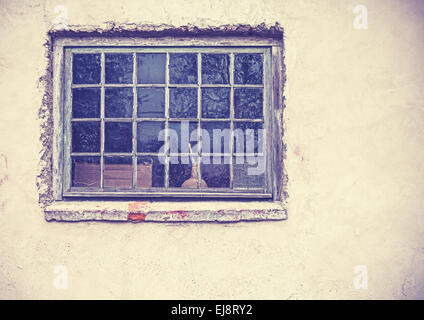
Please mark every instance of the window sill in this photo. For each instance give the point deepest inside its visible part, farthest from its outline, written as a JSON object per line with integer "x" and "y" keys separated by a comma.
{"x": 178, "y": 211}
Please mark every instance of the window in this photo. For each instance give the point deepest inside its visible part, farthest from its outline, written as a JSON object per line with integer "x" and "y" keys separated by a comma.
{"x": 166, "y": 118}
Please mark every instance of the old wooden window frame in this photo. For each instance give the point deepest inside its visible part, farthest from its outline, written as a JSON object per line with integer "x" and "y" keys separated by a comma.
{"x": 272, "y": 50}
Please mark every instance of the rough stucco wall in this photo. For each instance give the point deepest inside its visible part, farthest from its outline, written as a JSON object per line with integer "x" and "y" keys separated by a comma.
{"x": 354, "y": 122}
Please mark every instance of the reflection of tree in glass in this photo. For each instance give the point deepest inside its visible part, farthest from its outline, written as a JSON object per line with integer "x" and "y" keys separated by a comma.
{"x": 118, "y": 102}
{"x": 183, "y": 68}
{"x": 248, "y": 103}
{"x": 216, "y": 102}
{"x": 215, "y": 68}
{"x": 86, "y": 68}
{"x": 183, "y": 103}
{"x": 248, "y": 68}
{"x": 86, "y": 137}
{"x": 85, "y": 102}
{"x": 118, "y": 67}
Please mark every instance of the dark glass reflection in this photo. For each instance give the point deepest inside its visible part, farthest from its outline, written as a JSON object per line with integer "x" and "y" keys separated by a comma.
{"x": 216, "y": 103}
{"x": 248, "y": 68}
{"x": 180, "y": 172}
{"x": 215, "y": 68}
{"x": 118, "y": 102}
{"x": 183, "y": 68}
{"x": 181, "y": 134}
{"x": 118, "y": 137}
{"x": 216, "y": 171}
{"x": 86, "y": 103}
{"x": 86, "y": 136}
{"x": 151, "y": 102}
{"x": 183, "y": 102}
{"x": 151, "y": 68}
{"x": 150, "y": 172}
{"x": 149, "y": 136}
{"x": 117, "y": 172}
{"x": 118, "y": 67}
{"x": 246, "y": 136}
{"x": 216, "y": 137}
{"x": 248, "y": 103}
{"x": 86, "y": 68}
{"x": 85, "y": 172}
{"x": 248, "y": 172}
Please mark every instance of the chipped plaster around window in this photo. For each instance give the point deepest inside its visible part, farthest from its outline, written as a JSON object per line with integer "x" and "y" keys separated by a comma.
{"x": 218, "y": 211}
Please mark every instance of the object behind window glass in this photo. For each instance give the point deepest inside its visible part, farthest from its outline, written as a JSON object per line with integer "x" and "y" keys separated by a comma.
{"x": 118, "y": 172}
{"x": 85, "y": 172}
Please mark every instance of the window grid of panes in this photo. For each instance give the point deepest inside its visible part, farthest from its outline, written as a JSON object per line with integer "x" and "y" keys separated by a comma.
{"x": 121, "y": 98}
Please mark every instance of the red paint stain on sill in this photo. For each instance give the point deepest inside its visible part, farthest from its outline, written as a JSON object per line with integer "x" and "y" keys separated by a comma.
{"x": 181, "y": 214}
{"x": 136, "y": 216}
{"x": 137, "y": 211}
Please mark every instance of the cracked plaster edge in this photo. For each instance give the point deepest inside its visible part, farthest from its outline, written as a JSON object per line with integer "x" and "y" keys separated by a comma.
{"x": 111, "y": 28}
{"x": 44, "y": 177}
{"x": 166, "y": 216}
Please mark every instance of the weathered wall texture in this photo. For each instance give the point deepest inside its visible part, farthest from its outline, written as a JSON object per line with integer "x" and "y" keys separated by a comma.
{"x": 354, "y": 129}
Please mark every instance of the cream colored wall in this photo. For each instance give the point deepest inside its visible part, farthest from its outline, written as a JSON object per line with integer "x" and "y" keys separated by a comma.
{"x": 354, "y": 128}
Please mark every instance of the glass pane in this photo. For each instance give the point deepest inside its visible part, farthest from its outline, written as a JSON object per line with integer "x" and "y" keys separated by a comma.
{"x": 86, "y": 136}
{"x": 85, "y": 172}
{"x": 149, "y": 138}
{"x": 150, "y": 172}
{"x": 181, "y": 174}
{"x": 151, "y": 67}
{"x": 181, "y": 134}
{"x": 86, "y": 68}
{"x": 118, "y": 102}
{"x": 248, "y": 68}
{"x": 216, "y": 137}
{"x": 248, "y": 103}
{"x": 183, "y": 103}
{"x": 216, "y": 171}
{"x": 119, "y": 67}
{"x": 216, "y": 103}
{"x": 117, "y": 172}
{"x": 86, "y": 103}
{"x": 151, "y": 102}
{"x": 215, "y": 68}
{"x": 118, "y": 137}
{"x": 183, "y": 68}
{"x": 249, "y": 172}
{"x": 246, "y": 135}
